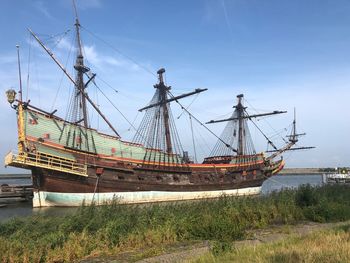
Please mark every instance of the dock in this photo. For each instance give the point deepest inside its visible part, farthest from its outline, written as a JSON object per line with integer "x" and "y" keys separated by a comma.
{"x": 13, "y": 192}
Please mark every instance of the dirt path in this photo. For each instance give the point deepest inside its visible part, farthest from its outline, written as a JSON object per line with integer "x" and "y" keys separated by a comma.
{"x": 179, "y": 256}
{"x": 183, "y": 253}
{"x": 269, "y": 235}
{"x": 277, "y": 233}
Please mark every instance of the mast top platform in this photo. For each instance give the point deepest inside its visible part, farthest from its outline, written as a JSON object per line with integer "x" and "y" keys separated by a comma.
{"x": 161, "y": 71}
{"x": 165, "y": 89}
{"x": 161, "y": 84}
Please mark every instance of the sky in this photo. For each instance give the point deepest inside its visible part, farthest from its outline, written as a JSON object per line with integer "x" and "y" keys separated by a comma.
{"x": 279, "y": 54}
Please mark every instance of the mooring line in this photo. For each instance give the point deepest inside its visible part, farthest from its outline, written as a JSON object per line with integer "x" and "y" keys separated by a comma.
{"x": 96, "y": 185}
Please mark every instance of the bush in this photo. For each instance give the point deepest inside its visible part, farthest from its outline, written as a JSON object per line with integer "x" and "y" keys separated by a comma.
{"x": 306, "y": 196}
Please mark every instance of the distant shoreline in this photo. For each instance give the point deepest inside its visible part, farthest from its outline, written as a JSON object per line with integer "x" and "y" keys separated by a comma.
{"x": 15, "y": 176}
{"x": 306, "y": 171}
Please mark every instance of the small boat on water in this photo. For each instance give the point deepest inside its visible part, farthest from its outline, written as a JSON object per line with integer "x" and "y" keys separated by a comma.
{"x": 341, "y": 176}
{"x": 72, "y": 162}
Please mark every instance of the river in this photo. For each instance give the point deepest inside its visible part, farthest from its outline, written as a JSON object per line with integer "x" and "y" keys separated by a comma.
{"x": 21, "y": 209}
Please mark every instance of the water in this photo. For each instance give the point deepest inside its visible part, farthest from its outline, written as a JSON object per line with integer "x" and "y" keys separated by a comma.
{"x": 21, "y": 181}
{"x": 280, "y": 182}
{"x": 22, "y": 209}
{"x": 10, "y": 208}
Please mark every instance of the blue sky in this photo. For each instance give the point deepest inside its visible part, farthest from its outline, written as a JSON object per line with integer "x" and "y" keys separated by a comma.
{"x": 280, "y": 54}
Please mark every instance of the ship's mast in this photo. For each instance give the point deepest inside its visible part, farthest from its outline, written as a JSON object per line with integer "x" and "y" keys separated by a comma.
{"x": 21, "y": 122}
{"x": 294, "y": 132}
{"x": 79, "y": 88}
{"x": 157, "y": 130}
{"x": 293, "y": 139}
{"x": 80, "y": 100}
{"x": 19, "y": 75}
{"x": 239, "y": 122}
{"x": 240, "y": 115}
{"x": 164, "y": 104}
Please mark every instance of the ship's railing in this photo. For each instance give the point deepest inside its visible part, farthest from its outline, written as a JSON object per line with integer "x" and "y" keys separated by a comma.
{"x": 45, "y": 160}
{"x": 236, "y": 159}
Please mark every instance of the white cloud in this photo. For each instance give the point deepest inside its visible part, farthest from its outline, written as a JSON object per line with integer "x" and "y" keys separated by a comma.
{"x": 101, "y": 61}
{"x": 41, "y": 7}
{"x": 64, "y": 44}
{"x": 91, "y": 54}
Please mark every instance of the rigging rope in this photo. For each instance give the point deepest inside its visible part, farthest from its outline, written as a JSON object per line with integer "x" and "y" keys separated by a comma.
{"x": 202, "y": 124}
{"x": 266, "y": 121}
{"x": 36, "y": 72}
{"x": 205, "y": 142}
{"x": 189, "y": 105}
{"x": 110, "y": 101}
{"x": 98, "y": 106}
{"x": 193, "y": 142}
{"x": 134, "y": 120}
{"x": 61, "y": 80}
{"x": 119, "y": 52}
{"x": 114, "y": 106}
{"x": 268, "y": 140}
{"x": 59, "y": 40}
{"x": 29, "y": 55}
{"x": 273, "y": 180}
{"x": 106, "y": 83}
{"x": 96, "y": 188}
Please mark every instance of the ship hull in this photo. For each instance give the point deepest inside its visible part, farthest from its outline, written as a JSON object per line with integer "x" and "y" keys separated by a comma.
{"x": 61, "y": 189}
{"x": 45, "y": 199}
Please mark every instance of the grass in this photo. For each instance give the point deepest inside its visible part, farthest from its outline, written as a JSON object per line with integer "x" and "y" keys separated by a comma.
{"x": 324, "y": 246}
{"x": 115, "y": 228}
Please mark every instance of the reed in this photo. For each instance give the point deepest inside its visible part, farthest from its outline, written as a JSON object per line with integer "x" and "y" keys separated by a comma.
{"x": 115, "y": 228}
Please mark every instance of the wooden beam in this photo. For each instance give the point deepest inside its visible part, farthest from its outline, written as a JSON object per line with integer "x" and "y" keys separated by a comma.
{"x": 248, "y": 116}
{"x": 174, "y": 99}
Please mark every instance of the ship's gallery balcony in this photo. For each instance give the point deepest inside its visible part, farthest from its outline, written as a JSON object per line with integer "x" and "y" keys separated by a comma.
{"x": 45, "y": 160}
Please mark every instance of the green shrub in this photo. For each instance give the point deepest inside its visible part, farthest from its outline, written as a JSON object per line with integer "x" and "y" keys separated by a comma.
{"x": 306, "y": 195}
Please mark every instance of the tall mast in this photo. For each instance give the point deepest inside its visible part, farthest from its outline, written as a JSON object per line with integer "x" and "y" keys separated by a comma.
{"x": 80, "y": 101}
{"x": 157, "y": 129}
{"x": 80, "y": 96}
{"x": 293, "y": 139}
{"x": 19, "y": 75}
{"x": 239, "y": 123}
{"x": 20, "y": 118}
{"x": 164, "y": 104}
{"x": 240, "y": 115}
{"x": 294, "y": 132}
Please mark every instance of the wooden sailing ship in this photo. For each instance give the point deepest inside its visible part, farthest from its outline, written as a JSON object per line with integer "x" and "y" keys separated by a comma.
{"x": 72, "y": 163}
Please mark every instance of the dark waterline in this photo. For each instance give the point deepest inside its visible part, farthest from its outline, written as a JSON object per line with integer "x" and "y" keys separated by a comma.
{"x": 22, "y": 209}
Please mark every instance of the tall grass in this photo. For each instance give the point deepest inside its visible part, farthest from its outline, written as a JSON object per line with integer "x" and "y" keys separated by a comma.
{"x": 324, "y": 247}
{"x": 115, "y": 228}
